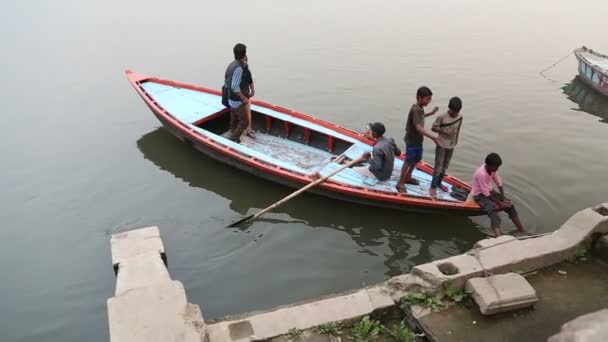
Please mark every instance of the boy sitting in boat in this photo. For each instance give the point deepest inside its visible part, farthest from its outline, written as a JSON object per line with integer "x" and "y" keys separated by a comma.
{"x": 447, "y": 125}
{"x": 489, "y": 199}
{"x": 383, "y": 155}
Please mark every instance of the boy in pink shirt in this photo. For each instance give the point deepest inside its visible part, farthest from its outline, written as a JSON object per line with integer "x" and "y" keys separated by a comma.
{"x": 490, "y": 200}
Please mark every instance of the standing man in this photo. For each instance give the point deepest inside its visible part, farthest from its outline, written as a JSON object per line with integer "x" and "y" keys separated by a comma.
{"x": 236, "y": 100}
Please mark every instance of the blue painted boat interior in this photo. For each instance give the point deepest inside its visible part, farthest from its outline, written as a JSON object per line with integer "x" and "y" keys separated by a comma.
{"x": 190, "y": 106}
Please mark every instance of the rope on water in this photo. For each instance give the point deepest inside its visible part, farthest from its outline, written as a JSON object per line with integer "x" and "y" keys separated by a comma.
{"x": 553, "y": 65}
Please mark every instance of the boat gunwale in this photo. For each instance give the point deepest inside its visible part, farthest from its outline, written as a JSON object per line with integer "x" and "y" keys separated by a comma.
{"x": 291, "y": 175}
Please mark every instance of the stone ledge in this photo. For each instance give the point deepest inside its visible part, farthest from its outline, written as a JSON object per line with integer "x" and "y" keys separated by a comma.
{"x": 500, "y": 293}
{"x": 148, "y": 305}
{"x": 140, "y": 271}
{"x": 531, "y": 254}
{"x": 508, "y": 254}
{"x": 132, "y": 243}
{"x": 487, "y": 243}
{"x": 592, "y": 327}
{"x": 400, "y": 286}
{"x": 303, "y": 316}
{"x": 456, "y": 270}
{"x": 155, "y": 313}
{"x": 145, "y": 299}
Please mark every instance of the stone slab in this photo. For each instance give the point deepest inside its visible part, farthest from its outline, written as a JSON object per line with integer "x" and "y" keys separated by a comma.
{"x": 140, "y": 241}
{"x": 486, "y": 243}
{"x": 583, "y": 224}
{"x": 303, "y": 316}
{"x": 532, "y": 254}
{"x": 526, "y": 255}
{"x": 501, "y": 293}
{"x": 402, "y": 285}
{"x": 561, "y": 301}
{"x": 456, "y": 270}
{"x": 592, "y": 327}
{"x": 155, "y": 313}
{"x": 140, "y": 271}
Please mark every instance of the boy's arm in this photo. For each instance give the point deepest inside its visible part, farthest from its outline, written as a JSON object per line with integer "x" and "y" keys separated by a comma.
{"x": 502, "y": 193}
{"x": 397, "y": 150}
{"x": 436, "y": 127}
{"x": 422, "y": 131}
{"x": 435, "y": 110}
{"x": 418, "y": 120}
{"x": 503, "y": 202}
{"x": 498, "y": 181}
{"x": 375, "y": 164}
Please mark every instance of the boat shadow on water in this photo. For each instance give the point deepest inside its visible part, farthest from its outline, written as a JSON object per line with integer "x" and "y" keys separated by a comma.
{"x": 587, "y": 99}
{"x": 412, "y": 238}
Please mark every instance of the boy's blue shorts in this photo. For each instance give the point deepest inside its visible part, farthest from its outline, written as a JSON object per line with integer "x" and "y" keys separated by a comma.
{"x": 413, "y": 153}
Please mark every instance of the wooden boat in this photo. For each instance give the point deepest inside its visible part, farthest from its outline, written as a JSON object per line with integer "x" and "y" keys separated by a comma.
{"x": 289, "y": 147}
{"x": 593, "y": 69}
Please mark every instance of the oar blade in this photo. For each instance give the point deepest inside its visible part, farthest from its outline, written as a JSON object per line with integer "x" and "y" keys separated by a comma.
{"x": 239, "y": 222}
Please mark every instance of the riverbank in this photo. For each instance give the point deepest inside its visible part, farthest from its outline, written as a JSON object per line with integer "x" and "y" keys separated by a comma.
{"x": 149, "y": 306}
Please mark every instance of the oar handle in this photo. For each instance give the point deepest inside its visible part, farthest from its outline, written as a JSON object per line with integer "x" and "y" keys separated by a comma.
{"x": 304, "y": 188}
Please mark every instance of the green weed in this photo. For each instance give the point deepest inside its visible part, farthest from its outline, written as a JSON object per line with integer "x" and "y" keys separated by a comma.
{"x": 294, "y": 335}
{"x": 401, "y": 333}
{"x": 366, "y": 330}
{"x": 332, "y": 329}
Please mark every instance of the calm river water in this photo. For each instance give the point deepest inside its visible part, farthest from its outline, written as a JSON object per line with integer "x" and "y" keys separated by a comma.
{"x": 82, "y": 157}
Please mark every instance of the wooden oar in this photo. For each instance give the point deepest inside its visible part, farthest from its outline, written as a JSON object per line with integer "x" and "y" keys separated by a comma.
{"x": 294, "y": 194}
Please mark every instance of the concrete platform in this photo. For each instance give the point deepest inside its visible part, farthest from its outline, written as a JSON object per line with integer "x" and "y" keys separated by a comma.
{"x": 501, "y": 293}
{"x": 303, "y": 316}
{"x": 592, "y": 327}
{"x": 148, "y": 306}
{"x": 139, "y": 241}
{"x": 155, "y": 313}
{"x": 579, "y": 289}
{"x": 507, "y": 254}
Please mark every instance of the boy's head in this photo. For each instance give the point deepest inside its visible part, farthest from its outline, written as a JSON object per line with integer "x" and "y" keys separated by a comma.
{"x": 377, "y": 129}
{"x": 240, "y": 51}
{"x": 454, "y": 106}
{"x": 493, "y": 162}
{"x": 424, "y": 95}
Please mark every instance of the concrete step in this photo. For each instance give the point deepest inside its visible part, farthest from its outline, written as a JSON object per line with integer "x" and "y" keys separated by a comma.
{"x": 500, "y": 293}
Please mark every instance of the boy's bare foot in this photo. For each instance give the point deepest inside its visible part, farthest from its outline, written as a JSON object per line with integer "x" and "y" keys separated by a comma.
{"x": 496, "y": 232}
{"x": 412, "y": 181}
{"x": 401, "y": 188}
{"x": 250, "y": 133}
{"x": 433, "y": 193}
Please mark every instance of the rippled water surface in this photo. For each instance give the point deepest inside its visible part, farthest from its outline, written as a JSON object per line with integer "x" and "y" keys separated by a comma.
{"x": 82, "y": 156}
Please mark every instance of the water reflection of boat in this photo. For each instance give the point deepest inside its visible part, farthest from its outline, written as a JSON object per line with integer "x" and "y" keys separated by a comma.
{"x": 593, "y": 69}
{"x": 587, "y": 99}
